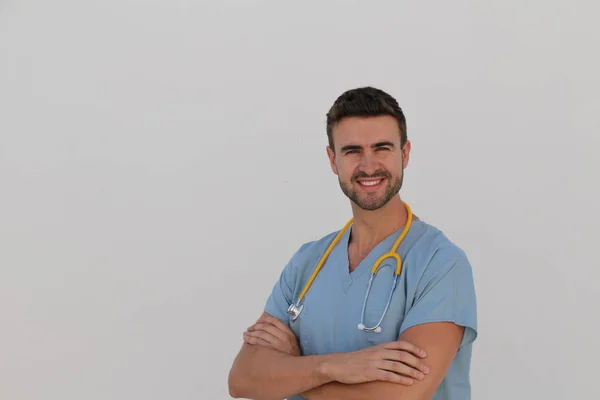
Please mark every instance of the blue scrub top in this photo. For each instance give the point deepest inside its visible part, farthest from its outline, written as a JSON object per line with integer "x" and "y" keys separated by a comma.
{"x": 436, "y": 284}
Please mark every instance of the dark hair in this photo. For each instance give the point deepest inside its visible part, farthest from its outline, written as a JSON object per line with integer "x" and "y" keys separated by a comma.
{"x": 365, "y": 102}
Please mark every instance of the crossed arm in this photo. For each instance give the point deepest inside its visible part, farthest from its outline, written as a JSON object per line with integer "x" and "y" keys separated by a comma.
{"x": 262, "y": 372}
{"x": 440, "y": 340}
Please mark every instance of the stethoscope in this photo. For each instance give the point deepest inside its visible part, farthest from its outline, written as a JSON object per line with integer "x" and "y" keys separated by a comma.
{"x": 295, "y": 309}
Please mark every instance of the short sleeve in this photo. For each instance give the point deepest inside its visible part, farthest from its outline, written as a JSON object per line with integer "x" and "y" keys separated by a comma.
{"x": 446, "y": 294}
{"x": 281, "y": 295}
{"x": 283, "y": 291}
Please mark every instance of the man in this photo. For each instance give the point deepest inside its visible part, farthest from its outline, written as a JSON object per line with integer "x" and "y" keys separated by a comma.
{"x": 422, "y": 348}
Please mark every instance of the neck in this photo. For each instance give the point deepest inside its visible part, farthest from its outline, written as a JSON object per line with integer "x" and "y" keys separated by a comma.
{"x": 371, "y": 227}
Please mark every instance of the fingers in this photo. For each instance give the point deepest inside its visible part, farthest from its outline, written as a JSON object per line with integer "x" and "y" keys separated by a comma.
{"x": 274, "y": 326}
{"x": 272, "y": 330}
{"x": 262, "y": 335}
{"x": 401, "y": 369}
{"x": 394, "y": 378}
{"x": 265, "y": 339}
{"x": 269, "y": 335}
{"x": 405, "y": 346}
{"x": 256, "y": 340}
{"x": 276, "y": 322}
{"x": 406, "y": 359}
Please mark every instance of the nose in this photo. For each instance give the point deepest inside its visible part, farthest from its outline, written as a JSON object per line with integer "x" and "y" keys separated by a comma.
{"x": 368, "y": 163}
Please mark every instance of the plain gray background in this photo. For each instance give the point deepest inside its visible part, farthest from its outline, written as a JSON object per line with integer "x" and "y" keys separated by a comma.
{"x": 160, "y": 161}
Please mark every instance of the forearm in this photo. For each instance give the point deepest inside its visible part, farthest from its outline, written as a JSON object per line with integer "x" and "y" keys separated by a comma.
{"x": 261, "y": 373}
{"x": 362, "y": 391}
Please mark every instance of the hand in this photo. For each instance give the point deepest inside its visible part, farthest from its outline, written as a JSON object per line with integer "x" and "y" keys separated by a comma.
{"x": 397, "y": 361}
{"x": 270, "y": 332}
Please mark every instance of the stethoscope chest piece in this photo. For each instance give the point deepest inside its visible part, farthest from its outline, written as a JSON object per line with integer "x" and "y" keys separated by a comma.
{"x": 295, "y": 310}
{"x": 362, "y": 327}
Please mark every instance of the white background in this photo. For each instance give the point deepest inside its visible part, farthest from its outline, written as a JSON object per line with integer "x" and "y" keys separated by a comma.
{"x": 160, "y": 161}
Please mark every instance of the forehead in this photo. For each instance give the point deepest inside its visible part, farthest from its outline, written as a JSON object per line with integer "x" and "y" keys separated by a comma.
{"x": 365, "y": 131}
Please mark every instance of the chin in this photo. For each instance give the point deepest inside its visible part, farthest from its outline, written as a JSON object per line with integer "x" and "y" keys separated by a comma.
{"x": 371, "y": 204}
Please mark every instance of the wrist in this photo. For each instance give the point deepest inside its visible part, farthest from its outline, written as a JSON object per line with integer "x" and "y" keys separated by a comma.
{"x": 326, "y": 368}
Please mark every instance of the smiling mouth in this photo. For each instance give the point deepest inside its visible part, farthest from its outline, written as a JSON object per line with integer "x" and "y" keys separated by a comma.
{"x": 370, "y": 182}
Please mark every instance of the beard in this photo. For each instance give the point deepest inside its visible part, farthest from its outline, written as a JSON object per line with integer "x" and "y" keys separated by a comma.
{"x": 372, "y": 201}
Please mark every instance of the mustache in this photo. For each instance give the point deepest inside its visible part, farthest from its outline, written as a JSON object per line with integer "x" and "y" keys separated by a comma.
{"x": 376, "y": 174}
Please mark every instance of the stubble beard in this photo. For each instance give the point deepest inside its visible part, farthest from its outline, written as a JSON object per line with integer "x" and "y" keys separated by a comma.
{"x": 371, "y": 202}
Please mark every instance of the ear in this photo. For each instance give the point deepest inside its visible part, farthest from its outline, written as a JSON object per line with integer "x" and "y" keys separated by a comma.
{"x": 406, "y": 154}
{"x": 331, "y": 156}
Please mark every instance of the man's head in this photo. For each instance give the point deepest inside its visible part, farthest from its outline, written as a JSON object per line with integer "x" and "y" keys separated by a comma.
{"x": 368, "y": 146}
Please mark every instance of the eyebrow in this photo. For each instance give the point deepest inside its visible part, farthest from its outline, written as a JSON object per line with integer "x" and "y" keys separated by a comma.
{"x": 378, "y": 144}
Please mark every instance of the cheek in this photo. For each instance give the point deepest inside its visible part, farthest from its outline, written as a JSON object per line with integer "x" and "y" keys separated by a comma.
{"x": 391, "y": 165}
{"x": 344, "y": 170}
{"x": 395, "y": 164}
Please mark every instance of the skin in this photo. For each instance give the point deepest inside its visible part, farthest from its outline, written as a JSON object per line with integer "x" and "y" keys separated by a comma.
{"x": 270, "y": 364}
{"x": 368, "y": 149}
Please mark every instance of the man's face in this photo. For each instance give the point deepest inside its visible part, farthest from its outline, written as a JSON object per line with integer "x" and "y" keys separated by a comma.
{"x": 368, "y": 159}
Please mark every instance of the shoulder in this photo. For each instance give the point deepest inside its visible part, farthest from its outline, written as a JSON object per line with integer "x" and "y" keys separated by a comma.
{"x": 308, "y": 253}
{"x": 434, "y": 253}
{"x": 314, "y": 248}
{"x": 440, "y": 281}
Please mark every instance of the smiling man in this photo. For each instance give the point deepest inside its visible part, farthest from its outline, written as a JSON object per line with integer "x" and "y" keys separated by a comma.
{"x": 319, "y": 336}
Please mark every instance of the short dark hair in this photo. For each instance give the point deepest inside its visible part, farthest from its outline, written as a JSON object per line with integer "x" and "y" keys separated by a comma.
{"x": 365, "y": 102}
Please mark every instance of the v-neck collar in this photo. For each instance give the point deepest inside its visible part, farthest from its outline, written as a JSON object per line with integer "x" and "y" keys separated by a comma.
{"x": 367, "y": 263}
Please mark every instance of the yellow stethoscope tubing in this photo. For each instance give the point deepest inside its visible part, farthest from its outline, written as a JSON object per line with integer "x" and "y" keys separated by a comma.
{"x": 324, "y": 257}
{"x": 392, "y": 253}
{"x": 334, "y": 242}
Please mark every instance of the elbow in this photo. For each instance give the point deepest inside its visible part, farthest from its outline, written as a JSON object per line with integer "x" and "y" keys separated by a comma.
{"x": 240, "y": 386}
{"x": 234, "y": 382}
{"x": 235, "y": 394}
{"x": 234, "y": 391}
{"x": 243, "y": 383}
{"x": 237, "y": 391}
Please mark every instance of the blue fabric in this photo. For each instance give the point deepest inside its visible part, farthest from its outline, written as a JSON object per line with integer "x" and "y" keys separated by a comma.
{"x": 436, "y": 284}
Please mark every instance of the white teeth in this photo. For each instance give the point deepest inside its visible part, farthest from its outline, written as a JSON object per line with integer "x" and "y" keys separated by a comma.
{"x": 370, "y": 183}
